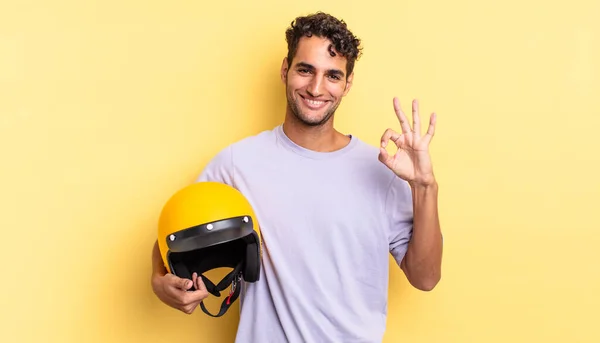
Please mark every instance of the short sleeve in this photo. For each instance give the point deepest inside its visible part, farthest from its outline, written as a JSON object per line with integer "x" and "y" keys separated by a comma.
{"x": 399, "y": 209}
{"x": 219, "y": 169}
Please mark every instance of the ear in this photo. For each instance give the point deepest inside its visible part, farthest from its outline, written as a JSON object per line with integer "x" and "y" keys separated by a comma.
{"x": 284, "y": 69}
{"x": 348, "y": 83}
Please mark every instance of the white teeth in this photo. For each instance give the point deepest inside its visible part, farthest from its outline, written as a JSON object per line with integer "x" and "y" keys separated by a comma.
{"x": 316, "y": 103}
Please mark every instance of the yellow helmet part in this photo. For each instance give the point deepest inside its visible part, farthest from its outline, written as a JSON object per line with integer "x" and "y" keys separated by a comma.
{"x": 201, "y": 204}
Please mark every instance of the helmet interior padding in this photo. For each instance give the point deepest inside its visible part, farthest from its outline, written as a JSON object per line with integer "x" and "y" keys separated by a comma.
{"x": 242, "y": 252}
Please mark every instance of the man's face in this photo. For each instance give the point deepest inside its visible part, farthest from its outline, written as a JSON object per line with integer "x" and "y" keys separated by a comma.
{"x": 315, "y": 81}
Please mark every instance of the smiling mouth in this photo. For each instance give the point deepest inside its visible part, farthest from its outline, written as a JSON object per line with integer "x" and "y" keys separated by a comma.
{"x": 313, "y": 104}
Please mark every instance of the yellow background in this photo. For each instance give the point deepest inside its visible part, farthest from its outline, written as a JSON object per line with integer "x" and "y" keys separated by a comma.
{"x": 107, "y": 107}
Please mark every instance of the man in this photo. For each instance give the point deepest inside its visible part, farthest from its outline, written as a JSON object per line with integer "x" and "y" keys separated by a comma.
{"x": 331, "y": 208}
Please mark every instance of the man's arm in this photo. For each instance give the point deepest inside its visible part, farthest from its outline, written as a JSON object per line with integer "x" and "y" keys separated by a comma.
{"x": 412, "y": 163}
{"x": 158, "y": 266}
{"x": 423, "y": 259}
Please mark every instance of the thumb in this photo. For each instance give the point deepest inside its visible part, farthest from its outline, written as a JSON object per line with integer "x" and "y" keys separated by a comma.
{"x": 183, "y": 284}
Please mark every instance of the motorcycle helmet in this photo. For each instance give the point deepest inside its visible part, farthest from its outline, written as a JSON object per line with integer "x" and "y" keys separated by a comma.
{"x": 209, "y": 225}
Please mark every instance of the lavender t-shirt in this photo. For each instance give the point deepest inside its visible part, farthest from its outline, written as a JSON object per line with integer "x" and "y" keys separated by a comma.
{"x": 328, "y": 222}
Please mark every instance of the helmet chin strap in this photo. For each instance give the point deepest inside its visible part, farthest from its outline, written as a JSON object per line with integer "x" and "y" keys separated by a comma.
{"x": 234, "y": 279}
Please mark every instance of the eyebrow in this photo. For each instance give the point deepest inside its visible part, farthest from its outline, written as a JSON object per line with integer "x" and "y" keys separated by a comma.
{"x": 312, "y": 68}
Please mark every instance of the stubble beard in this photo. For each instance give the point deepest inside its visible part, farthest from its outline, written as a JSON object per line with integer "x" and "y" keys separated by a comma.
{"x": 304, "y": 119}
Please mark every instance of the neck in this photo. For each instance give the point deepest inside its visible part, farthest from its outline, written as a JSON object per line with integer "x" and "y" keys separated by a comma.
{"x": 321, "y": 138}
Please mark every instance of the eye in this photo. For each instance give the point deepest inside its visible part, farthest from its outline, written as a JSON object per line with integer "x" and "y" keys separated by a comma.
{"x": 335, "y": 77}
{"x": 303, "y": 71}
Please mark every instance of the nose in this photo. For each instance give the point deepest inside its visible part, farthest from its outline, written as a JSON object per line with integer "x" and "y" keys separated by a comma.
{"x": 314, "y": 87}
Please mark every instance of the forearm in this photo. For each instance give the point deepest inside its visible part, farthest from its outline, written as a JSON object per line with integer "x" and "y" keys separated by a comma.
{"x": 422, "y": 262}
{"x": 158, "y": 267}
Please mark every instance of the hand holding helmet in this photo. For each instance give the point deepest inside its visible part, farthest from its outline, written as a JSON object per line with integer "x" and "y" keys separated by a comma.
{"x": 177, "y": 292}
{"x": 205, "y": 226}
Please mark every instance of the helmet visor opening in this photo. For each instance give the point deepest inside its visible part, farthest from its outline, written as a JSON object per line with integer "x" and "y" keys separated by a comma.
{"x": 228, "y": 254}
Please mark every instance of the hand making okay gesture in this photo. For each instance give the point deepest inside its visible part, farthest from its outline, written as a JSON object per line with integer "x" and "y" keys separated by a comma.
{"x": 412, "y": 161}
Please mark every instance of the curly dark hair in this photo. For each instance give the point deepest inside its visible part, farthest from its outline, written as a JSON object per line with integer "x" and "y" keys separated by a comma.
{"x": 327, "y": 26}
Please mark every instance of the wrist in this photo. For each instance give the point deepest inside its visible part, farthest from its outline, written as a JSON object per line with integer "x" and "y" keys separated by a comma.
{"x": 158, "y": 270}
{"x": 426, "y": 183}
{"x": 156, "y": 279}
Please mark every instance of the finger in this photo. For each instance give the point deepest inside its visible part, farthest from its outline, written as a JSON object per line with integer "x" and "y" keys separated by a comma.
{"x": 175, "y": 294}
{"x": 390, "y": 134}
{"x": 200, "y": 285}
{"x": 189, "y": 309}
{"x": 431, "y": 129}
{"x": 385, "y": 158}
{"x": 179, "y": 283}
{"x": 416, "y": 118}
{"x": 200, "y": 292}
{"x": 401, "y": 116}
{"x": 185, "y": 298}
{"x": 196, "y": 296}
{"x": 194, "y": 279}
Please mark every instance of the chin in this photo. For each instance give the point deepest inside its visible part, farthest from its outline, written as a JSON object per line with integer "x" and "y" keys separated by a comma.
{"x": 313, "y": 120}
